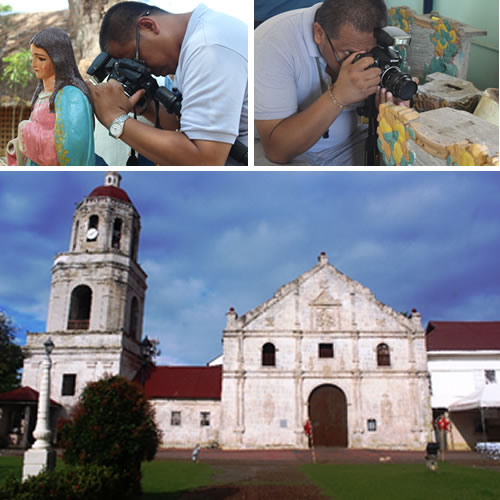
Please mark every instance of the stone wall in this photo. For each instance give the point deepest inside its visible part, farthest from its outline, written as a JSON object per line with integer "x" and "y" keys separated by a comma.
{"x": 267, "y": 406}
{"x": 190, "y": 432}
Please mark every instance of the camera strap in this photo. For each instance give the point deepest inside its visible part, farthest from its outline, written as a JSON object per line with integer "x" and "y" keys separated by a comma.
{"x": 239, "y": 152}
{"x": 133, "y": 161}
{"x": 324, "y": 88}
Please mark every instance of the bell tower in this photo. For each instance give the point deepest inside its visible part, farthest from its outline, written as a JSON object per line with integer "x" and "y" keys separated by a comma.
{"x": 97, "y": 296}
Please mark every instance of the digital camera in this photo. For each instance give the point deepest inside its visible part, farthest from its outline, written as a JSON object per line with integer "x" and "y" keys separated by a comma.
{"x": 134, "y": 75}
{"x": 389, "y": 61}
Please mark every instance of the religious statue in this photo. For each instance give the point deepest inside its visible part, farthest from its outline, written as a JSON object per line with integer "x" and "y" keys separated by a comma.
{"x": 60, "y": 130}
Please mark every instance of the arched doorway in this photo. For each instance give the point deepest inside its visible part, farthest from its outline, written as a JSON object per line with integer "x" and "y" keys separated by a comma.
{"x": 328, "y": 416}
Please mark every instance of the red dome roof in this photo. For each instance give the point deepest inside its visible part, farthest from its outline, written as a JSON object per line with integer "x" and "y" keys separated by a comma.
{"x": 110, "y": 192}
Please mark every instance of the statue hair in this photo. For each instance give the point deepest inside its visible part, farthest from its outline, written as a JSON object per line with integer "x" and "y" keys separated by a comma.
{"x": 59, "y": 48}
{"x": 363, "y": 15}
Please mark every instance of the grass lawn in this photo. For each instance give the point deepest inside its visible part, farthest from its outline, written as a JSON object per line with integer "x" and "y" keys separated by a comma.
{"x": 404, "y": 482}
{"x": 10, "y": 465}
{"x": 168, "y": 479}
{"x": 160, "y": 479}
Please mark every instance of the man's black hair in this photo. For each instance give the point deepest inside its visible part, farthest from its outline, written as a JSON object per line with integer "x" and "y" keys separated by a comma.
{"x": 120, "y": 22}
{"x": 363, "y": 15}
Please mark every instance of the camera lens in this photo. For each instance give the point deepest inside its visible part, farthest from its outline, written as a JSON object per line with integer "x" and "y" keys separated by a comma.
{"x": 400, "y": 84}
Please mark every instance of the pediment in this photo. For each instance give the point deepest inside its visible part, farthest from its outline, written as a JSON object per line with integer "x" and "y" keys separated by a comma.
{"x": 325, "y": 299}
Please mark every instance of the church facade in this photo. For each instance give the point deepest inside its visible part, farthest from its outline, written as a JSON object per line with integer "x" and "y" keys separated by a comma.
{"x": 323, "y": 349}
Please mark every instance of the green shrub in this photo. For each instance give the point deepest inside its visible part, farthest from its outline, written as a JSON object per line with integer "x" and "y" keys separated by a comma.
{"x": 18, "y": 71}
{"x": 86, "y": 482}
{"x": 113, "y": 425}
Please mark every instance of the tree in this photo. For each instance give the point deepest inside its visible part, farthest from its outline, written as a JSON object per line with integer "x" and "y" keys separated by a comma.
{"x": 86, "y": 17}
{"x": 11, "y": 355}
{"x": 18, "y": 72}
{"x": 112, "y": 425}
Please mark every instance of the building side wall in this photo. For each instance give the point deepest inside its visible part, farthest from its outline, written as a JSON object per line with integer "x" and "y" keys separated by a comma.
{"x": 190, "y": 432}
{"x": 455, "y": 375}
{"x": 88, "y": 356}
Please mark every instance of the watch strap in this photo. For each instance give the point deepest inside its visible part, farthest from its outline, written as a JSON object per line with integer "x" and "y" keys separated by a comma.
{"x": 117, "y": 121}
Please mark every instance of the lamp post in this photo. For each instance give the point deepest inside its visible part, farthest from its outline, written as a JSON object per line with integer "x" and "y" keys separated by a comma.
{"x": 146, "y": 353}
{"x": 42, "y": 456}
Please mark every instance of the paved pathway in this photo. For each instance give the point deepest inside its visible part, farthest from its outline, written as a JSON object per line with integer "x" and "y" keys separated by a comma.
{"x": 325, "y": 455}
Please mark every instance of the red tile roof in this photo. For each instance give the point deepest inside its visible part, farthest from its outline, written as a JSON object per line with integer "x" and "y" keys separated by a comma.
{"x": 110, "y": 192}
{"x": 22, "y": 395}
{"x": 183, "y": 382}
{"x": 463, "y": 335}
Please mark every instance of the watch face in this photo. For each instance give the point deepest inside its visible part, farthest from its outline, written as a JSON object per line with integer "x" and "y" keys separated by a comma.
{"x": 92, "y": 234}
{"x": 116, "y": 128}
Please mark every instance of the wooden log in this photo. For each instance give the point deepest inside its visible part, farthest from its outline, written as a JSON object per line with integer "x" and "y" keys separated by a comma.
{"x": 438, "y": 44}
{"x": 440, "y": 137}
{"x": 443, "y": 91}
{"x": 487, "y": 109}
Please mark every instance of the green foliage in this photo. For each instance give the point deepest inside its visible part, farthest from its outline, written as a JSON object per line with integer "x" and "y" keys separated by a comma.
{"x": 11, "y": 355}
{"x": 113, "y": 425}
{"x": 17, "y": 72}
{"x": 5, "y": 8}
{"x": 85, "y": 482}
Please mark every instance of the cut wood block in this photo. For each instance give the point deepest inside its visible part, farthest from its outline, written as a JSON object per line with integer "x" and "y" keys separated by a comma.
{"x": 444, "y": 136}
{"x": 444, "y": 90}
{"x": 487, "y": 109}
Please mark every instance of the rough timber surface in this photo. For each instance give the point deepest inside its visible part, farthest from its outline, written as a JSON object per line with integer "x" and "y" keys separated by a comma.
{"x": 442, "y": 90}
{"x": 442, "y": 137}
{"x": 436, "y": 130}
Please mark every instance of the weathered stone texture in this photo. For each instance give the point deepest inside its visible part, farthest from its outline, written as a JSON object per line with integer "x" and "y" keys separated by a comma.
{"x": 267, "y": 406}
{"x": 103, "y": 341}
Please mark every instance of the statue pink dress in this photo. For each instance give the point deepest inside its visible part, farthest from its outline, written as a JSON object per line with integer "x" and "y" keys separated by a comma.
{"x": 36, "y": 135}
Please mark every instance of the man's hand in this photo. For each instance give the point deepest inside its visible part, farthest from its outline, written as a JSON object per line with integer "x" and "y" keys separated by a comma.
{"x": 110, "y": 101}
{"x": 383, "y": 96}
{"x": 356, "y": 81}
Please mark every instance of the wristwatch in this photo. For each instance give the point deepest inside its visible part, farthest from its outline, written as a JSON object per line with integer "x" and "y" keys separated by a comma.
{"x": 116, "y": 127}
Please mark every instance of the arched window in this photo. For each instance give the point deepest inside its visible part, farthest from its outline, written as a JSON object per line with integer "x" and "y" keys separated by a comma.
{"x": 134, "y": 317}
{"x": 93, "y": 225}
{"x": 268, "y": 355}
{"x": 79, "y": 309}
{"x": 383, "y": 355}
{"x": 117, "y": 234}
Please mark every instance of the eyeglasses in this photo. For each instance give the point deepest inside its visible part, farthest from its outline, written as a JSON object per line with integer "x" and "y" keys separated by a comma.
{"x": 138, "y": 35}
{"x": 340, "y": 61}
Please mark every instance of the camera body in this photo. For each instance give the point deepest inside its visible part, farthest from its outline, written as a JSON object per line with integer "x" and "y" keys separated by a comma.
{"x": 134, "y": 75}
{"x": 389, "y": 61}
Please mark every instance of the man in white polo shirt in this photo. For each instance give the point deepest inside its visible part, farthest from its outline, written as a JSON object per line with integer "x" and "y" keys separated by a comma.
{"x": 207, "y": 52}
{"x": 307, "y": 87}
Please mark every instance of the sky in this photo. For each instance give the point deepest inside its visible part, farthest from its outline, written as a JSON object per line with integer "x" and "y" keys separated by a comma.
{"x": 231, "y": 7}
{"x": 215, "y": 240}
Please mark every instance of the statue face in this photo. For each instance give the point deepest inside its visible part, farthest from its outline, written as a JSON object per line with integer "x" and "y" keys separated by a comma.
{"x": 42, "y": 64}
